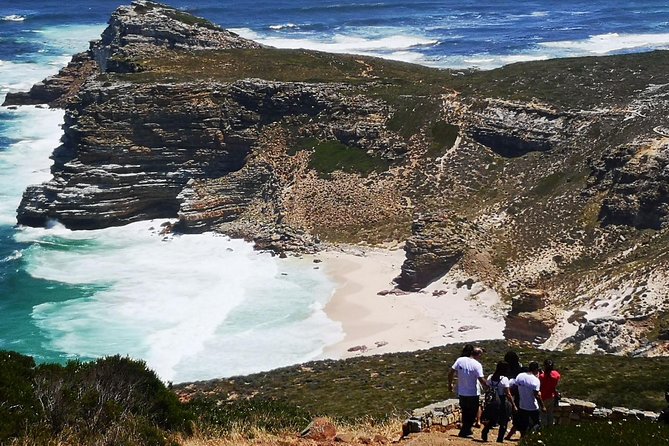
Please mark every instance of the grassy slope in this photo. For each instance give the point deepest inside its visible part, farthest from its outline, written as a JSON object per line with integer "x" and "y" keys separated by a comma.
{"x": 386, "y": 385}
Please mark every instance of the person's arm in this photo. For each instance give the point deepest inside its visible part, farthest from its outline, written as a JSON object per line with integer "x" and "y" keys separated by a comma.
{"x": 537, "y": 395}
{"x": 479, "y": 372}
{"x": 509, "y": 397}
{"x": 451, "y": 374}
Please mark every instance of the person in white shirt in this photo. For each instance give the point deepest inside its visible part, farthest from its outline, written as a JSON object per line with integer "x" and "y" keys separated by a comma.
{"x": 469, "y": 371}
{"x": 531, "y": 404}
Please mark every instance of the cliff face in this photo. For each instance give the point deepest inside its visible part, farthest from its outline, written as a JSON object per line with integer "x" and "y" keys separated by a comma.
{"x": 530, "y": 177}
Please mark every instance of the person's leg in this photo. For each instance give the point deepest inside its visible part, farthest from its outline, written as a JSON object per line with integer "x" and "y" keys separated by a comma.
{"x": 468, "y": 406}
{"x": 503, "y": 419}
{"x": 535, "y": 420}
{"x": 502, "y": 430}
{"x": 485, "y": 430}
{"x": 547, "y": 419}
{"x": 523, "y": 421}
{"x": 514, "y": 419}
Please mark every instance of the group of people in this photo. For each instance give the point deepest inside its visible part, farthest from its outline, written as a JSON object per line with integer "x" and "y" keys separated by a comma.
{"x": 525, "y": 396}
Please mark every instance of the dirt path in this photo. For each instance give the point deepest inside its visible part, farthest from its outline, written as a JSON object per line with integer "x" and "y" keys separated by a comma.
{"x": 434, "y": 438}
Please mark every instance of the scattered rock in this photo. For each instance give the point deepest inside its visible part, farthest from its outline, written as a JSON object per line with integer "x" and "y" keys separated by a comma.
{"x": 358, "y": 348}
{"x": 468, "y": 328}
{"x": 320, "y": 429}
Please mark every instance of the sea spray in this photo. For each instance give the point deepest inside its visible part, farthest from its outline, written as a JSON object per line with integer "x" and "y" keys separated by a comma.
{"x": 192, "y": 306}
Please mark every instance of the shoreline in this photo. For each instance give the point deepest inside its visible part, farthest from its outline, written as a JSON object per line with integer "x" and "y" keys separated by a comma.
{"x": 446, "y": 312}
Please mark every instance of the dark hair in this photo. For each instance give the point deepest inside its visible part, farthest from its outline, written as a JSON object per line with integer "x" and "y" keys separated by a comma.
{"x": 533, "y": 367}
{"x": 502, "y": 369}
{"x": 549, "y": 366}
{"x": 512, "y": 358}
{"x": 467, "y": 350}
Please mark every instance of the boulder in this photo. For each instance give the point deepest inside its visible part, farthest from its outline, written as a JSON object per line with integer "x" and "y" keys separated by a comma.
{"x": 436, "y": 244}
{"x": 320, "y": 429}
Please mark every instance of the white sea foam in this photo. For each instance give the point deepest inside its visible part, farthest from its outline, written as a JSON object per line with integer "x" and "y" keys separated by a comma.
{"x": 13, "y": 18}
{"x": 609, "y": 43}
{"x": 595, "y": 45}
{"x": 13, "y": 256}
{"x": 26, "y": 161}
{"x": 284, "y": 26}
{"x": 70, "y": 39}
{"x": 193, "y": 306}
{"x": 396, "y": 46}
{"x": 21, "y": 76}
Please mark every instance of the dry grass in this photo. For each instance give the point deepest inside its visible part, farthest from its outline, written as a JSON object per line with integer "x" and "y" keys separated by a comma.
{"x": 363, "y": 432}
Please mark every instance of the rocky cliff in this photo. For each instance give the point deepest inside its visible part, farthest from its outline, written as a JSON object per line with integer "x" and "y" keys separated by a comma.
{"x": 547, "y": 178}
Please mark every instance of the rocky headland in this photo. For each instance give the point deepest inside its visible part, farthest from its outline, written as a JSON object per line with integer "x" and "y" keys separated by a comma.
{"x": 546, "y": 181}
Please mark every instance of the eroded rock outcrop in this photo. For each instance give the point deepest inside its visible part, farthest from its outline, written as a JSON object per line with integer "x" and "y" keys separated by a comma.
{"x": 437, "y": 243}
{"x": 513, "y": 129}
{"x": 143, "y": 26}
{"x": 636, "y": 181}
{"x": 529, "y": 319}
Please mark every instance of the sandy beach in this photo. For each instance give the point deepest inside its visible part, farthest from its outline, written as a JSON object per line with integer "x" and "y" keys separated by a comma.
{"x": 447, "y": 311}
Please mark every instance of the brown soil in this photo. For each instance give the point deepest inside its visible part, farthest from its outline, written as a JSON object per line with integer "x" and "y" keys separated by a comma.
{"x": 435, "y": 437}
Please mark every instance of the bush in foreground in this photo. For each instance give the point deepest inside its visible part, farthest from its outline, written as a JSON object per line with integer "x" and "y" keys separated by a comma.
{"x": 113, "y": 400}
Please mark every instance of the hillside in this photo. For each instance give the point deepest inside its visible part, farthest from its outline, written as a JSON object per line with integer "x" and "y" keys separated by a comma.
{"x": 117, "y": 400}
{"x": 545, "y": 180}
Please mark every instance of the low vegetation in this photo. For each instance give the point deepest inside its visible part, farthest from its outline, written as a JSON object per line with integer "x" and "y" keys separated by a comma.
{"x": 117, "y": 400}
{"x": 330, "y": 156}
{"x": 110, "y": 401}
{"x": 385, "y": 386}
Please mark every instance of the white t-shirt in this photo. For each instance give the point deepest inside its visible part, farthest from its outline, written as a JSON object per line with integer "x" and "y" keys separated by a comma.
{"x": 501, "y": 386}
{"x": 527, "y": 384}
{"x": 469, "y": 370}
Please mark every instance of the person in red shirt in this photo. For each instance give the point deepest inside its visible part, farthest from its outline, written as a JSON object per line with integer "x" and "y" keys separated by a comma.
{"x": 549, "y": 379}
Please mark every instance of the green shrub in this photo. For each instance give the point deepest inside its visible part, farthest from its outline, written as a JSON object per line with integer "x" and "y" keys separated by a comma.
{"x": 113, "y": 400}
{"x": 611, "y": 433}
{"x": 18, "y": 405}
{"x": 444, "y": 136}
{"x": 330, "y": 156}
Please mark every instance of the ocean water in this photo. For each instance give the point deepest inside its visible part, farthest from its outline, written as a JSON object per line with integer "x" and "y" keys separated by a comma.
{"x": 204, "y": 306}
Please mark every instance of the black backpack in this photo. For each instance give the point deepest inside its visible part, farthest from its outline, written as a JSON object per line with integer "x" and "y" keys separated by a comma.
{"x": 491, "y": 396}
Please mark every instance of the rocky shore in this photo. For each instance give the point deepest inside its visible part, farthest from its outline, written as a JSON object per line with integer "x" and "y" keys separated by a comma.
{"x": 541, "y": 179}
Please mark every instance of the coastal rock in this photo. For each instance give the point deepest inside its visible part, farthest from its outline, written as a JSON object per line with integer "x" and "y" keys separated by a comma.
{"x": 133, "y": 152}
{"x": 320, "y": 429}
{"x": 144, "y": 25}
{"x": 58, "y": 90}
{"x": 635, "y": 179}
{"x": 513, "y": 129}
{"x": 436, "y": 244}
{"x": 134, "y": 31}
{"x": 128, "y": 151}
{"x": 606, "y": 334}
{"x": 529, "y": 319}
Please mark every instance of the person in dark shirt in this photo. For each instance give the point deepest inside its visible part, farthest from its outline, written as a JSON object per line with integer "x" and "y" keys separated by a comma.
{"x": 515, "y": 368}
